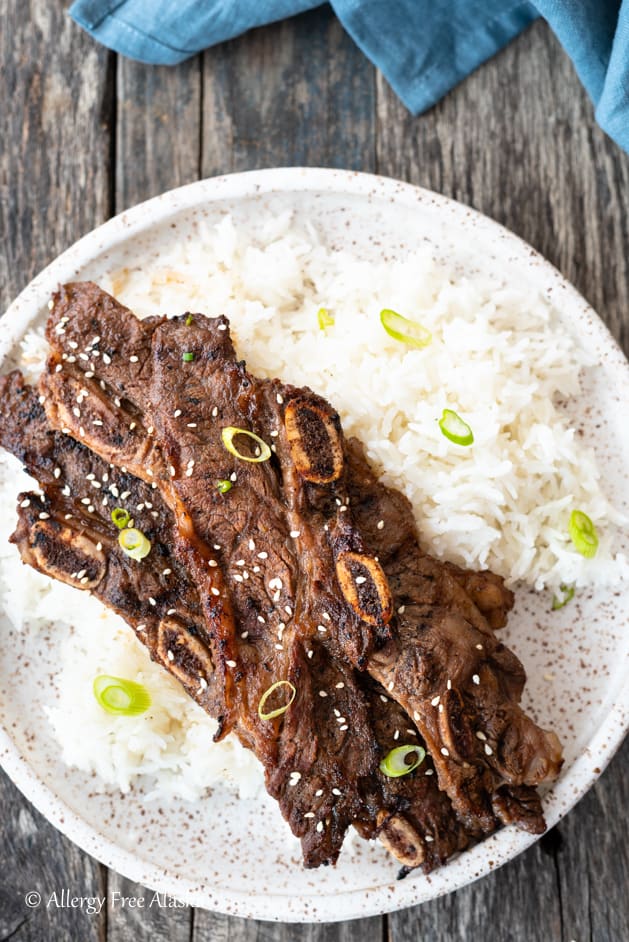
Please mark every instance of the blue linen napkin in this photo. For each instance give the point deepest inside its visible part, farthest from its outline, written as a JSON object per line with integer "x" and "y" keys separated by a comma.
{"x": 423, "y": 47}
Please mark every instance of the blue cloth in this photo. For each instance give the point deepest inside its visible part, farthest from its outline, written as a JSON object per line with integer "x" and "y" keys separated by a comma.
{"x": 423, "y": 47}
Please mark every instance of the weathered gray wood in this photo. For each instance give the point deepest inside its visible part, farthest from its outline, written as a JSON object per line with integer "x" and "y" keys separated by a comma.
{"x": 136, "y": 913}
{"x": 210, "y": 927}
{"x": 517, "y": 140}
{"x": 56, "y": 138}
{"x": 298, "y": 93}
{"x": 158, "y": 129}
{"x": 54, "y": 187}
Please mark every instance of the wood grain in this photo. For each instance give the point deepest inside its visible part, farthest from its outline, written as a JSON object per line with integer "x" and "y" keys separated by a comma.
{"x": 85, "y": 136}
{"x": 158, "y": 130}
{"x": 55, "y": 185}
{"x": 517, "y": 141}
{"x": 298, "y": 93}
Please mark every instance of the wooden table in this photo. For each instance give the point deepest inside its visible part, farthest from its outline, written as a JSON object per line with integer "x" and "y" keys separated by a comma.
{"x": 86, "y": 134}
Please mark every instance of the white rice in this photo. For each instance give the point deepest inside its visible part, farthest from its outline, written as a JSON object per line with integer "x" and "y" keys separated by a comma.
{"x": 497, "y": 357}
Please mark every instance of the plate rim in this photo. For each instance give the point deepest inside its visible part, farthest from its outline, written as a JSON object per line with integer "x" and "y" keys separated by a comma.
{"x": 140, "y": 218}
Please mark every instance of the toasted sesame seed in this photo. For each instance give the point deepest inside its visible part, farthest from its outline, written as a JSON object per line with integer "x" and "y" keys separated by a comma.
{"x": 481, "y": 736}
{"x": 401, "y": 609}
{"x": 212, "y": 562}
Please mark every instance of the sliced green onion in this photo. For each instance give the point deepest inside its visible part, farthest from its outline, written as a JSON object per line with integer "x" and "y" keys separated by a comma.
{"x": 583, "y": 533}
{"x": 267, "y": 693}
{"x": 223, "y": 486}
{"x": 325, "y": 318}
{"x": 396, "y": 763}
{"x": 455, "y": 429}
{"x": 189, "y": 320}
{"x": 187, "y": 357}
{"x": 567, "y": 594}
{"x": 121, "y": 697}
{"x": 134, "y": 544}
{"x": 228, "y": 434}
{"x": 400, "y": 328}
{"x": 120, "y": 517}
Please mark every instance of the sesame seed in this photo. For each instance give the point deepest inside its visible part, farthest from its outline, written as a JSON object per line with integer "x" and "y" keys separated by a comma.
{"x": 428, "y": 838}
{"x": 340, "y": 685}
{"x": 177, "y": 413}
{"x": 449, "y": 685}
{"x": 232, "y": 476}
{"x": 96, "y": 484}
{"x": 172, "y": 471}
{"x": 309, "y": 814}
{"x": 84, "y": 580}
{"x": 294, "y": 778}
{"x": 89, "y": 375}
{"x": 212, "y": 562}
{"x": 222, "y": 327}
{"x": 341, "y": 719}
{"x": 288, "y": 610}
{"x": 25, "y": 503}
{"x": 411, "y": 732}
{"x": 256, "y": 569}
{"x": 475, "y": 678}
{"x": 152, "y": 601}
{"x": 262, "y": 620}
{"x": 116, "y": 400}
{"x": 81, "y": 573}
{"x": 444, "y": 751}
{"x": 390, "y": 686}
{"x": 274, "y": 433}
{"x": 294, "y": 534}
{"x": 435, "y": 700}
{"x": 166, "y": 572}
{"x": 214, "y": 591}
{"x": 141, "y": 628}
{"x": 133, "y": 359}
{"x": 343, "y": 728}
{"x": 171, "y": 656}
{"x": 326, "y": 616}
{"x": 488, "y": 750}
{"x": 279, "y": 399}
{"x": 396, "y": 735}
{"x": 189, "y": 472}
{"x": 237, "y": 577}
{"x": 310, "y": 653}
{"x": 85, "y": 500}
{"x": 318, "y": 793}
{"x": 429, "y": 772}
{"x": 383, "y": 698}
{"x": 83, "y": 356}
{"x": 360, "y": 579}
{"x": 401, "y": 610}
{"x": 99, "y": 547}
{"x": 240, "y": 562}
{"x": 96, "y": 422}
{"x": 171, "y": 611}
{"x": 125, "y": 494}
{"x": 336, "y": 791}
{"x": 76, "y": 412}
{"x": 479, "y": 647}
{"x": 106, "y": 359}
{"x": 322, "y": 629}
{"x": 416, "y": 716}
{"x": 252, "y": 545}
{"x": 380, "y": 525}
{"x": 73, "y": 344}
{"x": 244, "y": 635}
{"x": 191, "y": 425}
{"x": 481, "y": 736}
{"x": 82, "y": 431}
{"x": 230, "y": 663}
{"x": 275, "y": 583}
{"x": 320, "y": 823}
{"x": 216, "y": 546}
{"x": 322, "y": 693}
{"x": 279, "y": 647}
{"x": 132, "y": 425}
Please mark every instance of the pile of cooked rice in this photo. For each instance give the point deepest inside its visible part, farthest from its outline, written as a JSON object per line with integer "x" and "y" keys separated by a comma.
{"x": 498, "y": 358}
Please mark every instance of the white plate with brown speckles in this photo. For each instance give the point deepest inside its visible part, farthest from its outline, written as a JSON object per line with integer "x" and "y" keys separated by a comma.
{"x": 231, "y": 855}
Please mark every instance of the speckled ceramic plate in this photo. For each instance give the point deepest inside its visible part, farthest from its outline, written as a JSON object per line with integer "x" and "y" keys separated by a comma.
{"x": 240, "y": 860}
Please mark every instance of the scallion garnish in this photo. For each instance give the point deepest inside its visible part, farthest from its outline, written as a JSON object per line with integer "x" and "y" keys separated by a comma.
{"x": 134, "y": 543}
{"x": 121, "y": 517}
{"x": 583, "y": 533}
{"x": 223, "y": 486}
{"x": 187, "y": 357}
{"x": 189, "y": 320}
{"x": 267, "y": 693}
{"x": 455, "y": 429}
{"x": 228, "y": 434}
{"x": 396, "y": 762}
{"x": 400, "y": 328}
{"x": 121, "y": 697}
{"x": 324, "y": 318}
{"x": 567, "y": 594}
